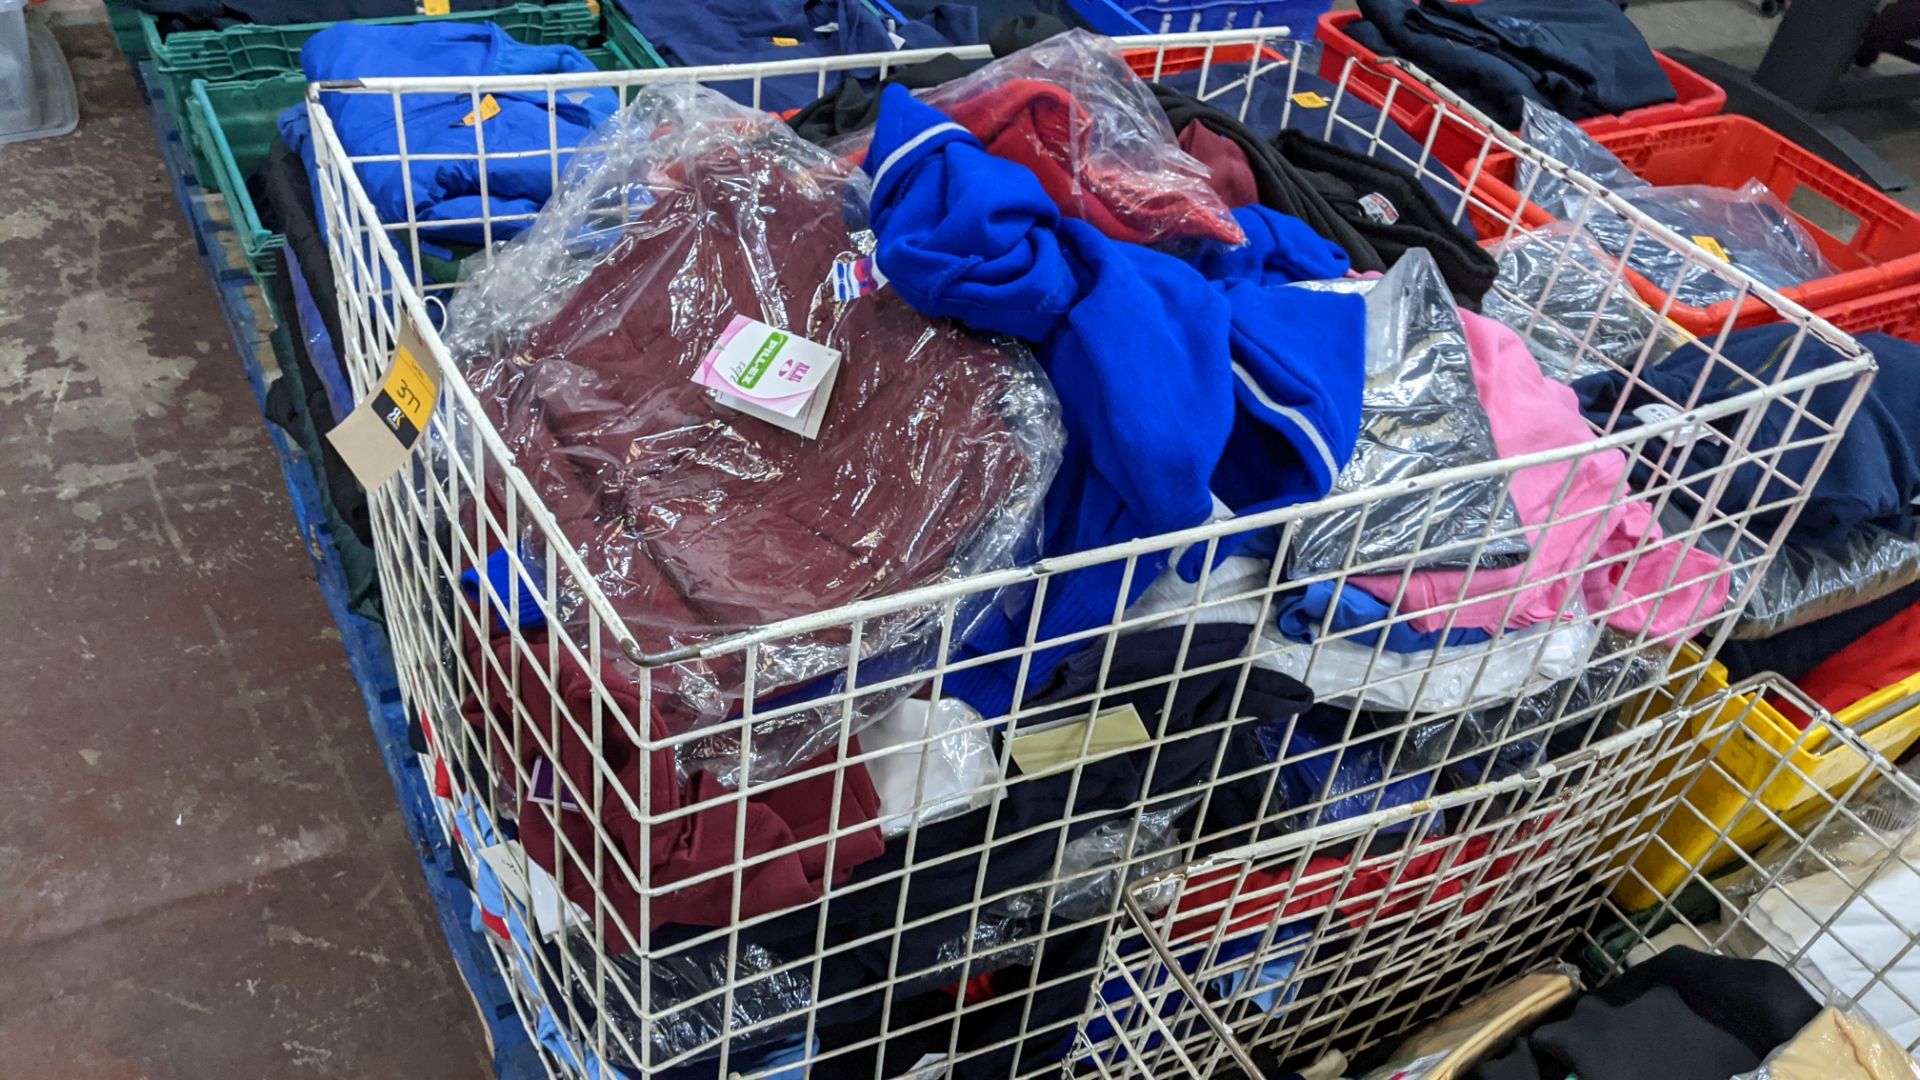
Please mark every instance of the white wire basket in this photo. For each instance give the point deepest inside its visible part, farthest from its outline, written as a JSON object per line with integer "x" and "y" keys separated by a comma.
{"x": 976, "y": 957}
{"x": 1318, "y": 948}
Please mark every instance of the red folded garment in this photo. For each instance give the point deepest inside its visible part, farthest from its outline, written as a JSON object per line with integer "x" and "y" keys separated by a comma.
{"x": 1886, "y": 655}
{"x": 1043, "y": 127}
{"x": 1232, "y": 178}
{"x": 769, "y": 819}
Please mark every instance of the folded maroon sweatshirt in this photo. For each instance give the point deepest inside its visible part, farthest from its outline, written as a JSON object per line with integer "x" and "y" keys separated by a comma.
{"x": 699, "y": 521}
{"x": 767, "y": 820}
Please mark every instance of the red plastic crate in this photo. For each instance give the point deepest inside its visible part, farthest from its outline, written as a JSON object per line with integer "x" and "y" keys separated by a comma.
{"x": 1696, "y": 95}
{"x": 1895, "y": 312}
{"x": 1882, "y": 254}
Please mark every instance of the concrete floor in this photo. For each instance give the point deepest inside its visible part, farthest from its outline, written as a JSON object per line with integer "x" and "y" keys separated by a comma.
{"x": 203, "y": 872}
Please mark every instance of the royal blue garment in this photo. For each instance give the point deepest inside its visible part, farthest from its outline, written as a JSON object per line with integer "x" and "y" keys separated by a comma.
{"x": 500, "y": 576}
{"x": 447, "y": 190}
{"x": 1183, "y": 397}
{"x": 1301, "y": 614}
{"x": 693, "y": 33}
{"x": 1266, "y": 103}
{"x": 1874, "y": 474}
{"x": 1582, "y": 58}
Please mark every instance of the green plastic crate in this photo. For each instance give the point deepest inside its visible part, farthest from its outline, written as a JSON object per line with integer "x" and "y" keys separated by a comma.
{"x": 623, "y": 33}
{"x": 128, "y": 34}
{"x": 252, "y": 52}
{"x": 234, "y": 125}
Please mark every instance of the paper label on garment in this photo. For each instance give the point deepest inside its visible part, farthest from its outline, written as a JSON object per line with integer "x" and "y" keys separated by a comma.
{"x": 487, "y": 110}
{"x": 1307, "y": 99}
{"x": 786, "y": 42}
{"x": 378, "y": 435}
{"x": 1379, "y": 208}
{"x": 500, "y": 858}
{"x": 1712, "y": 247}
{"x": 1062, "y": 745}
{"x": 436, "y": 7}
{"x": 542, "y": 785}
{"x": 1659, "y": 412}
{"x": 771, "y": 374}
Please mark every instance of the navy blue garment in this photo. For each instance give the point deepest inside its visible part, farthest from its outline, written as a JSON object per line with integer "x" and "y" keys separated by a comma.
{"x": 1302, "y": 613}
{"x": 1266, "y": 103}
{"x": 690, "y": 33}
{"x": 1252, "y": 398}
{"x": 1583, "y": 58}
{"x": 1793, "y": 654}
{"x": 448, "y": 190}
{"x": 1874, "y": 474}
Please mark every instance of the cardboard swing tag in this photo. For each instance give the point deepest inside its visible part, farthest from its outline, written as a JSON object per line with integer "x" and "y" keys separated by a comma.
{"x": 1307, "y": 99}
{"x": 1058, "y": 746}
{"x": 770, "y": 374}
{"x": 1712, "y": 247}
{"x": 378, "y": 435}
{"x": 487, "y": 110}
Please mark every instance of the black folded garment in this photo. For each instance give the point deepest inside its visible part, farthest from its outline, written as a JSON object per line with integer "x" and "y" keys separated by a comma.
{"x": 1683, "y": 1015}
{"x": 1390, "y": 211}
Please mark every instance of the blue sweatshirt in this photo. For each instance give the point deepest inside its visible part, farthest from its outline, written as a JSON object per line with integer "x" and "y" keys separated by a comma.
{"x": 1190, "y": 389}
{"x": 445, "y": 189}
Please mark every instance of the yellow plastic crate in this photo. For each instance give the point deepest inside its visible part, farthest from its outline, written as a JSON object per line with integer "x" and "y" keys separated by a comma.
{"x": 1764, "y": 771}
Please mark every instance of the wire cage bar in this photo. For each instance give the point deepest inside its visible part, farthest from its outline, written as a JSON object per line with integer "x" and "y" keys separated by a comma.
{"x": 959, "y": 924}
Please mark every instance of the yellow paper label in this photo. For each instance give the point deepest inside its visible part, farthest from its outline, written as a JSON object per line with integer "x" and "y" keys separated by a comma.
{"x": 436, "y": 7}
{"x": 410, "y": 389}
{"x": 488, "y": 109}
{"x": 1063, "y": 745}
{"x": 786, "y": 42}
{"x": 1712, "y": 247}
{"x": 1307, "y": 99}
{"x": 594, "y": 6}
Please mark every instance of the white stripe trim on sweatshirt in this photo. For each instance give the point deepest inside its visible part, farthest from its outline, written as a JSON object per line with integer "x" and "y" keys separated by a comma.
{"x": 1292, "y": 416}
{"x": 907, "y": 147}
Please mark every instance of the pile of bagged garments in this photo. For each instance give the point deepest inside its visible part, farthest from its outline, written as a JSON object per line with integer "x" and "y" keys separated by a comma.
{"x": 989, "y": 252}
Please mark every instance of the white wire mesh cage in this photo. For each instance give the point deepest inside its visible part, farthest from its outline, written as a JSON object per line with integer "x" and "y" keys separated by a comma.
{"x": 1305, "y": 953}
{"x": 735, "y": 835}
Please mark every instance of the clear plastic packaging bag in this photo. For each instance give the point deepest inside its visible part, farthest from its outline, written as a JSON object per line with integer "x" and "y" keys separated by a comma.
{"x": 1806, "y": 584}
{"x": 1070, "y": 109}
{"x": 1420, "y": 413}
{"x": 1840, "y": 905}
{"x": 1842, "y": 1043}
{"x": 698, "y": 521}
{"x": 1750, "y": 224}
{"x": 761, "y": 994}
{"x": 1096, "y": 864}
{"x": 936, "y": 762}
{"x": 1587, "y": 315}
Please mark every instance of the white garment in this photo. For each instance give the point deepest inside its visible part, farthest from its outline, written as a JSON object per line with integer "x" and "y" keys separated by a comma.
{"x": 1454, "y": 677}
{"x": 1242, "y": 576}
{"x": 1852, "y": 941}
{"x": 956, "y": 748}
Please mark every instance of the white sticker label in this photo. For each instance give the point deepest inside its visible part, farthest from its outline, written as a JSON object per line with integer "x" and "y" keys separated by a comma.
{"x": 769, "y": 373}
{"x": 1659, "y": 413}
{"x": 1379, "y": 208}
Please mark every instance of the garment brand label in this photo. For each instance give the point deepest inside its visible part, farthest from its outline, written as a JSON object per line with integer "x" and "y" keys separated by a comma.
{"x": 856, "y": 276}
{"x": 1712, "y": 247}
{"x": 771, "y": 374}
{"x": 786, "y": 42}
{"x": 1659, "y": 412}
{"x": 435, "y": 7}
{"x": 383, "y": 429}
{"x": 1379, "y": 208}
{"x": 1307, "y": 99}
{"x": 542, "y": 785}
{"x": 487, "y": 110}
{"x": 1062, "y": 745}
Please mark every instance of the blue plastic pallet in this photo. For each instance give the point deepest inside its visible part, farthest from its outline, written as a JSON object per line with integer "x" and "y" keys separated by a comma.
{"x": 514, "y": 1053}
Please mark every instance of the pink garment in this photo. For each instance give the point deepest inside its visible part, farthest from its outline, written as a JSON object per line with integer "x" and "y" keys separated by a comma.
{"x": 1530, "y": 412}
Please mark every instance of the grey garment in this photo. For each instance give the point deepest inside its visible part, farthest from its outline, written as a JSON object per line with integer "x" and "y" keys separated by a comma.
{"x": 1804, "y": 585}
{"x": 1420, "y": 414}
{"x": 1569, "y": 300}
